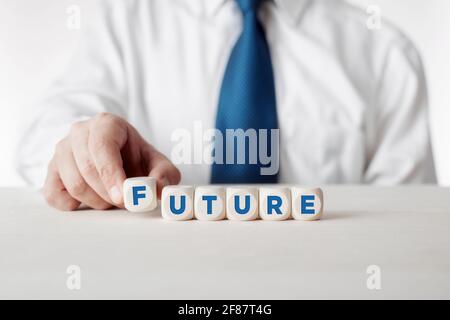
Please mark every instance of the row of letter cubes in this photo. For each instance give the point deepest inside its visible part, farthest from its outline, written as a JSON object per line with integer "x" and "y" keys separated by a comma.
{"x": 213, "y": 203}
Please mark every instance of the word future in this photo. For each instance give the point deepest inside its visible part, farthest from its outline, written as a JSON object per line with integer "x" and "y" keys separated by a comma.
{"x": 212, "y": 203}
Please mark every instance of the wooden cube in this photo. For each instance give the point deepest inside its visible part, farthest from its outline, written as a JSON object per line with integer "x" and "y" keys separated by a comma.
{"x": 139, "y": 194}
{"x": 274, "y": 203}
{"x": 242, "y": 203}
{"x": 307, "y": 203}
{"x": 177, "y": 203}
{"x": 210, "y": 203}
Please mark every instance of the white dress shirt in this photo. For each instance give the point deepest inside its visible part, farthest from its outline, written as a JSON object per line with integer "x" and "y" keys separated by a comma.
{"x": 351, "y": 102}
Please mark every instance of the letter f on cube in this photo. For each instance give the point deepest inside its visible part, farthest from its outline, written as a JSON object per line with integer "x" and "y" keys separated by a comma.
{"x": 138, "y": 193}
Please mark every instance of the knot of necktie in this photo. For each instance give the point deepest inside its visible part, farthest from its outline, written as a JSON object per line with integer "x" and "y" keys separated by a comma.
{"x": 248, "y": 6}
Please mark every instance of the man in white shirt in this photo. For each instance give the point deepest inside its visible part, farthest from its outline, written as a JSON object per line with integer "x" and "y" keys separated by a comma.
{"x": 351, "y": 103}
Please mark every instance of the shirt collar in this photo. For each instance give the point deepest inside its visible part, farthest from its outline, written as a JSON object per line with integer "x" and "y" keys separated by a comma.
{"x": 292, "y": 8}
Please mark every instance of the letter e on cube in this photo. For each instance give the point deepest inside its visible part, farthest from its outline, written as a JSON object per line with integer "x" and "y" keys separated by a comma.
{"x": 307, "y": 204}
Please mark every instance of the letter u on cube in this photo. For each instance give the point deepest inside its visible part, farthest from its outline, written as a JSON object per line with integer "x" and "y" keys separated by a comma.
{"x": 213, "y": 203}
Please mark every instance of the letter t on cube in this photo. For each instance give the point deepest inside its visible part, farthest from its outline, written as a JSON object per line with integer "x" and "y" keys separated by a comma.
{"x": 140, "y": 194}
{"x": 209, "y": 204}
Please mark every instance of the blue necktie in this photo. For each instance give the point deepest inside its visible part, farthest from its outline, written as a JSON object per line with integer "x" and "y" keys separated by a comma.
{"x": 247, "y": 98}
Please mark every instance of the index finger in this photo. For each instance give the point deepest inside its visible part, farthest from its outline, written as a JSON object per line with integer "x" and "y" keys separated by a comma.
{"x": 105, "y": 143}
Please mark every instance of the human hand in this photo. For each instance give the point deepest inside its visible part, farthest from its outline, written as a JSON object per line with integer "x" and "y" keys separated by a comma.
{"x": 90, "y": 165}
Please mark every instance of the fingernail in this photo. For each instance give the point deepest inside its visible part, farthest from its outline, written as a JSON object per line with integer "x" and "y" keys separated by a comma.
{"x": 115, "y": 195}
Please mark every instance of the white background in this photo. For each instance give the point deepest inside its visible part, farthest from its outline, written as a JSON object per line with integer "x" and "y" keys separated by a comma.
{"x": 35, "y": 44}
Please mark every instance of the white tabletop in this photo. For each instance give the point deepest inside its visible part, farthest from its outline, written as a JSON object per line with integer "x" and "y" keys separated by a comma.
{"x": 405, "y": 231}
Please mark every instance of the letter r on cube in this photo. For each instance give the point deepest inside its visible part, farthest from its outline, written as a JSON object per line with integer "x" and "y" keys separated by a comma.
{"x": 274, "y": 204}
